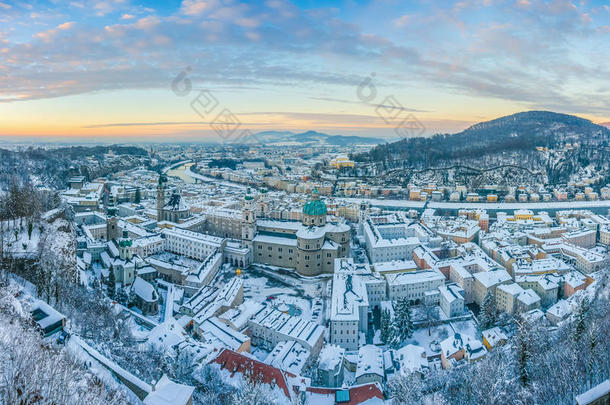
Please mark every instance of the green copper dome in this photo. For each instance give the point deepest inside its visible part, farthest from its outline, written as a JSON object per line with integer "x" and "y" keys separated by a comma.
{"x": 125, "y": 242}
{"x": 314, "y": 207}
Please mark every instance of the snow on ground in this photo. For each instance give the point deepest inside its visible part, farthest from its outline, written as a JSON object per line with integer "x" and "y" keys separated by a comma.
{"x": 265, "y": 289}
{"x": 466, "y": 328}
{"x": 139, "y": 332}
{"x": 23, "y": 244}
{"x": 258, "y": 353}
{"x": 96, "y": 368}
{"x": 437, "y": 334}
{"x": 177, "y": 259}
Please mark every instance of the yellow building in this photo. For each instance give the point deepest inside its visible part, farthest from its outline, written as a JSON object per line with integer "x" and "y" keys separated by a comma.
{"x": 524, "y": 215}
{"x": 341, "y": 161}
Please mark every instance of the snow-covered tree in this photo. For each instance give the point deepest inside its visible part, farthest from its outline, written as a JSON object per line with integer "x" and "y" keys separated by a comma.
{"x": 111, "y": 283}
{"x": 33, "y": 374}
{"x": 488, "y": 312}
{"x": 523, "y": 352}
{"x": 254, "y": 393}
{"x": 385, "y": 325}
{"x": 402, "y": 325}
{"x": 581, "y": 319}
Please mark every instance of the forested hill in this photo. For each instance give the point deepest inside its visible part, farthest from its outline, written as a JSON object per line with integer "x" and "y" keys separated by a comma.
{"x": 52, "y": 167}
{"x": 521, "y": 131}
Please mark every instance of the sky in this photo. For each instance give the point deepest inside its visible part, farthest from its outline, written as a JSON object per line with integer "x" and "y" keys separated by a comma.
{"x": 196, "y": 70}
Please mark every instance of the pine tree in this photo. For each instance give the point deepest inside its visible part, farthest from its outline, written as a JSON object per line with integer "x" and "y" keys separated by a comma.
{"x": 581, "y": 319}
{"x": 111, "y": 283}
{"x": 385, "y": 325}
{"x": 523, "y": 354}
{"x": 121, "y": 296}
{"x": 402, "y": 322}
{"x": 488, "y": 312}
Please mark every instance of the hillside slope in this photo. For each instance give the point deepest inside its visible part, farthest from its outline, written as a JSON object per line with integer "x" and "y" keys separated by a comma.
{"x": 553, "y": 146}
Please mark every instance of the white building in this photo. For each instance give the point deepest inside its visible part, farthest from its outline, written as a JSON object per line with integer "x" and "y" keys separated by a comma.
{"x": 486, "y": 282}
{"x": 370, "y": 365}
{"x": 390, "y": 237}
{"x": 349, "y": 306}
{"x": 270, "y": 327}
{"x": 451, "y": 300}
{"x": 331, "y": 365}
{"x": 413, "y": 285}
{"x": 412, "y": 359}
{"x": 192, "y": 244}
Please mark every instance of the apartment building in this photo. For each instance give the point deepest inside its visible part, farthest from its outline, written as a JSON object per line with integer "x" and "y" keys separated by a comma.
{"x": 413, "y": 285}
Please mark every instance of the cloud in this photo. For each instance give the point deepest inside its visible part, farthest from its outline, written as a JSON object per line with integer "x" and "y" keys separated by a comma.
{"x": 535, "y": 55}
{"x": 196, "y": 7}
{"x": 65, "y": 26}
{"x": 404, "y": 20}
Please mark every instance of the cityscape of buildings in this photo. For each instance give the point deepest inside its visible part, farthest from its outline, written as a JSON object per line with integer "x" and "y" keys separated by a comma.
{"x": 292, "y": 282}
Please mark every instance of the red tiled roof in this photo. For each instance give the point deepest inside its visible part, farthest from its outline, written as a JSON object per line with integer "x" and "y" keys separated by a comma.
{"x": 259, "y": 372}
{"x": 357, "y": 394}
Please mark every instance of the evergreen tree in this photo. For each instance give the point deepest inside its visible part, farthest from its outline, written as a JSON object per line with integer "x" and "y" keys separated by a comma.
{"x": 581, "y": 319}
{"x": 111, "y": 283}
{"x": 523, "y": 352}
{"x": 403, "y": 326}
{"x": 121, "y": 296}
{"x": 488, "y": 312}
{"x": 386, "y": 326}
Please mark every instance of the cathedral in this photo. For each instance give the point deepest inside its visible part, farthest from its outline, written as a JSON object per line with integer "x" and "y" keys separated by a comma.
{"x": 310, "y": 246}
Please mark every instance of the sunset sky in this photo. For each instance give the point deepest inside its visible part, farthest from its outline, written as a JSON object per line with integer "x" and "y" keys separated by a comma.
{"x": 104, "y": 69}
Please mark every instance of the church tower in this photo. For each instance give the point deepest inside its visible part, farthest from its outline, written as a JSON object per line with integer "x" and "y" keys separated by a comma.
{"x": 125, "y": 243}
{"x": 248, "y": 220}
{"x": 160, "y": 197}
{"x": 112, "y": 221}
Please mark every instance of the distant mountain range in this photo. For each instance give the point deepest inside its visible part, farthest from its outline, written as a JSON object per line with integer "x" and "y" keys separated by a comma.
{"x": 313, "y": 138}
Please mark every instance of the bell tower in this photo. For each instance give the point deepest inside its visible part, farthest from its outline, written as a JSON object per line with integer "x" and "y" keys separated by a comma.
{"x": 112, "y": 221}
{"x": 248, "y": 219}
{"x": 125, "y": 243}
{"x": 161, "y": 197}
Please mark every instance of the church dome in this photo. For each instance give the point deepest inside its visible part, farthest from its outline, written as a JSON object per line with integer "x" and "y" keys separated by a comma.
{"x": 314, "y": 207}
